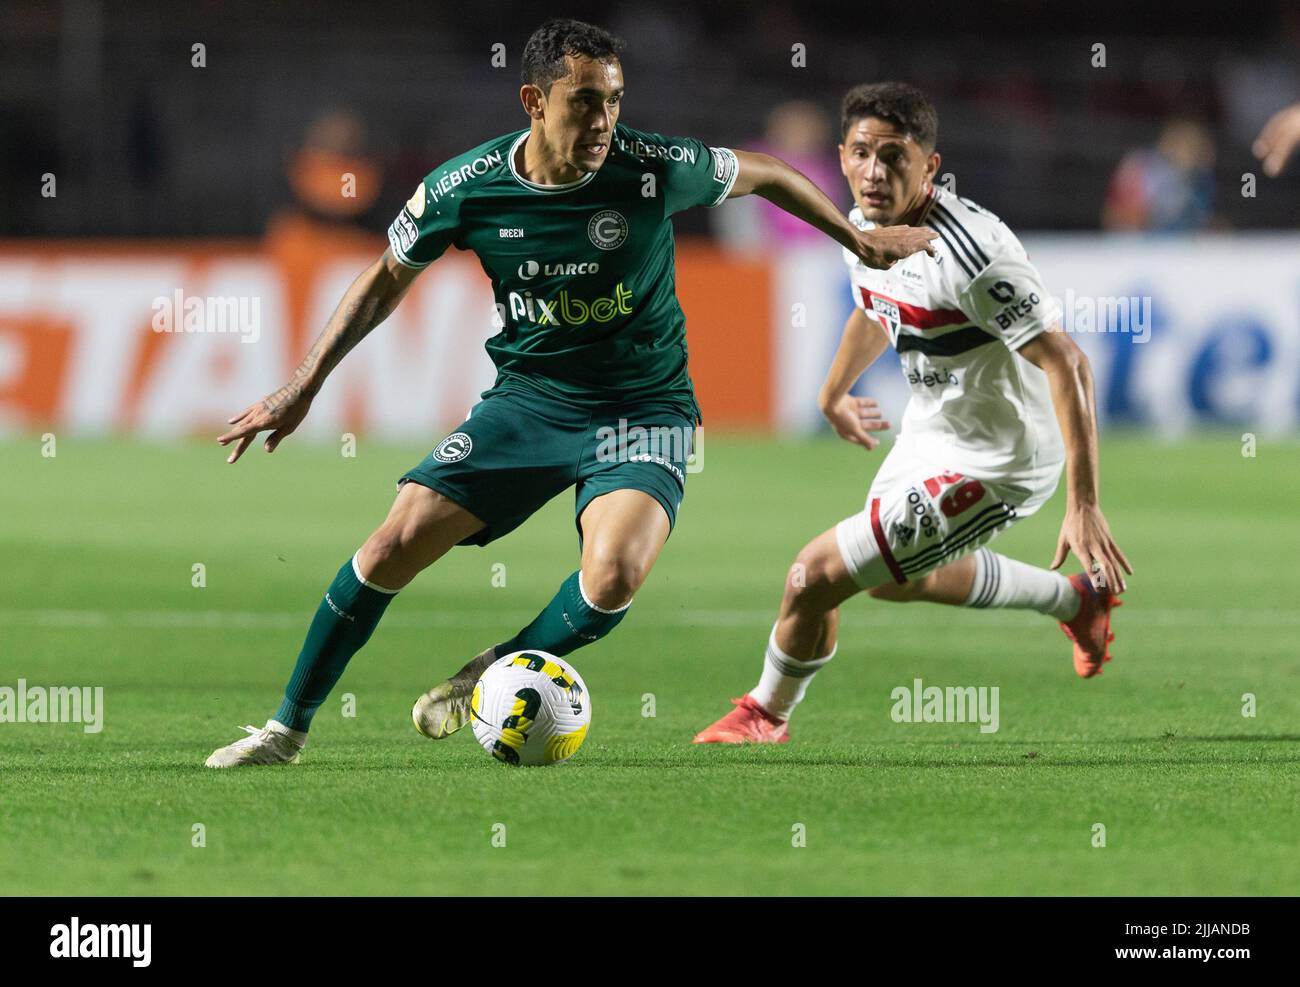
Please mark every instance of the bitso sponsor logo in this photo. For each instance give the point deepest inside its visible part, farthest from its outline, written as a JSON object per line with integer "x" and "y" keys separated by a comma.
{"x": 607, "y": 229}
{"x": 1002, "y": 292}
{"x": 453, "y": 448}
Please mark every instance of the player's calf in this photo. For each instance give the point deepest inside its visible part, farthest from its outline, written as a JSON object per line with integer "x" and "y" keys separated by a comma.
{"x": 802, "y": 642}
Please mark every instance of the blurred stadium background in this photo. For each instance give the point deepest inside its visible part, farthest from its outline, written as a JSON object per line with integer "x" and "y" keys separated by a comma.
{"x": 137, "y": 165}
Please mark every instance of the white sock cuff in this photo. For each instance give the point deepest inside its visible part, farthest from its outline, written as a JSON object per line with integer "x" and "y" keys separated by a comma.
{"x": 988, "y": 578}
{"x": 587, "y": 599}
{"x": 356, "y": 571}
{"x": 792, "y": 667}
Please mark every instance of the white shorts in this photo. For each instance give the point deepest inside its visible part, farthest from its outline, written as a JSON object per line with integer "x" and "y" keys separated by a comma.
{"x": 920, "y": 516}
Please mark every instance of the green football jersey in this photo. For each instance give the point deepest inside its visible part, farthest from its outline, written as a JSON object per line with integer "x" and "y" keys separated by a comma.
{"x": 583, "y": 273}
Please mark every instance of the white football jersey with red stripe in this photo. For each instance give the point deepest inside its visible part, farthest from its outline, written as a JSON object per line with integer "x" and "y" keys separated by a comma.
{"x": 956, "y": 320}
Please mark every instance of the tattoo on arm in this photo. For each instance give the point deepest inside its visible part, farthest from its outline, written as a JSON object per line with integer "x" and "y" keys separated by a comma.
{"x": 365, "y": 305}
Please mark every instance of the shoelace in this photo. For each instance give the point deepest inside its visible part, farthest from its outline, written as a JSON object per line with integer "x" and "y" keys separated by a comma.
{"x": 744, "y": 702}
{"x": 258, "y": 733}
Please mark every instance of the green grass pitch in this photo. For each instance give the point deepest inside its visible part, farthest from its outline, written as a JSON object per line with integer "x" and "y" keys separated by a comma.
{"x": 98, "y": 544}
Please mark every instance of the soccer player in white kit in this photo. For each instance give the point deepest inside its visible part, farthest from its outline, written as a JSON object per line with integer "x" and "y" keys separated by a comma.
{"x": 1001, "y": 402}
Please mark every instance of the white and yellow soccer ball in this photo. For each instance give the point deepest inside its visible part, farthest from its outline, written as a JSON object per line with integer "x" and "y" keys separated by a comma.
{"x": 530, "y": 708}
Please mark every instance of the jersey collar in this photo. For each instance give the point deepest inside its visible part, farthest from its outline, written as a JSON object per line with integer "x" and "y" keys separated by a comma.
{"x": 534, "y": 186}
{"x": 922, "y": 212}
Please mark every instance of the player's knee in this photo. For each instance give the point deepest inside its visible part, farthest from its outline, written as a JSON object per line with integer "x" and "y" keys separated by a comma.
{"x": 382, "y": 547}
{"x": 809, "y": 575}
{"x": 398, "y": 539}
{"x": 610, "y": 581}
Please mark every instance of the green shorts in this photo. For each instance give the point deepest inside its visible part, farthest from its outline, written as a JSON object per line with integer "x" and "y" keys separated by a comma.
{"x": 519, "y": 448}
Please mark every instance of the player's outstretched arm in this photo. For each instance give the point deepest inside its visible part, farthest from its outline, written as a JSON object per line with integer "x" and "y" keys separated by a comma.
{"x": 367, "y": 302}
{"x": 1279, "y": 138}
{"x": 1084, "y": 531}
{"x": 776, "y": 181}
{"x": 854, "y": 419}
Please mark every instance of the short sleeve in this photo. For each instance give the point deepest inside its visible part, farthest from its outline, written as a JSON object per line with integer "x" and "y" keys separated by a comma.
{"x": 421, "y": 232}
{"x": 689, "y": 172}
{"x": 1008, "y": 299}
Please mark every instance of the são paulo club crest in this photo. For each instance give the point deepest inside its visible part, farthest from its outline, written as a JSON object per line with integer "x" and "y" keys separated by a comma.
{"x": 888, "y": 314}
{"x": 453, "y": 448}
{"x": 607, "y": 229}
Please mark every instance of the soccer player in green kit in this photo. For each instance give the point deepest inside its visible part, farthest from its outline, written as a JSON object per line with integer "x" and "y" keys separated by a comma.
{"x": 571, "y": 221}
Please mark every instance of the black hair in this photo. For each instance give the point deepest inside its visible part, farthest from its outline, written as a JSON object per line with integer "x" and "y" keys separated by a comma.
{"x": 903, "y": 105}
{"x": 543, "y": 60}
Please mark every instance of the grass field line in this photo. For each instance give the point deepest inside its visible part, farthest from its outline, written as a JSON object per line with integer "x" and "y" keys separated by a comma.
{"x": 686, "y": 618}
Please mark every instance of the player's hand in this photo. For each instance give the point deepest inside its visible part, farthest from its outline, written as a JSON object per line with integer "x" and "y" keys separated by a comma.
{"x": 886, "y": 245}
{"x": 280, "y": 413}
{"x": 1086, "y": 533}
{"x": 1280, "y": 136}
{"x": 854, "y": 419}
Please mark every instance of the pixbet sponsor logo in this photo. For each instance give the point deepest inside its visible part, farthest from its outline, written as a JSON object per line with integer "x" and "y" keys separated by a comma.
{"x": 564, "y": 309}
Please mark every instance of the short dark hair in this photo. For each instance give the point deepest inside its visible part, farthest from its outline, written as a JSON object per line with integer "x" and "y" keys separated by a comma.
{"x": 903, "y": 105}
{"x": 543, "y": 60}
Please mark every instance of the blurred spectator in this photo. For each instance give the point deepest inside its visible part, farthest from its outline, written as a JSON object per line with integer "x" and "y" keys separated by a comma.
{"x": 335, "y": 181}
{"x": 335, "y": 146}
{"x": 1168, "y": 188}
{"x": 800, "y": 134}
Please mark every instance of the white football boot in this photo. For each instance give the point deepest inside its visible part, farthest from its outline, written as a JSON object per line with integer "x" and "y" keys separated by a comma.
{"x": 275, "y": 743}
{"x": 444, "y": 709}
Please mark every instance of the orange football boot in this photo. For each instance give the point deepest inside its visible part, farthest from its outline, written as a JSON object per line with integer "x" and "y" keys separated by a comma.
{"x": 748, "y": 723}
{"x": 1090, "y": 629}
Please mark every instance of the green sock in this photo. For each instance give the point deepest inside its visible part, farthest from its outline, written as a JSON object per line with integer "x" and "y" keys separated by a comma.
{"x": 568, "y": 622}
{"x": 343, "y": 623}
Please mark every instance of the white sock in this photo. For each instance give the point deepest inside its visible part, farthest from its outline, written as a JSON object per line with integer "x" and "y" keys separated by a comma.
{"x": 1003, "y": 583}
{"x": 785, "y": 680}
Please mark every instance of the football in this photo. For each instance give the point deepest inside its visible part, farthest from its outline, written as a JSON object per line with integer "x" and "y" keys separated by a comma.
{"x": 530, "y": 708}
